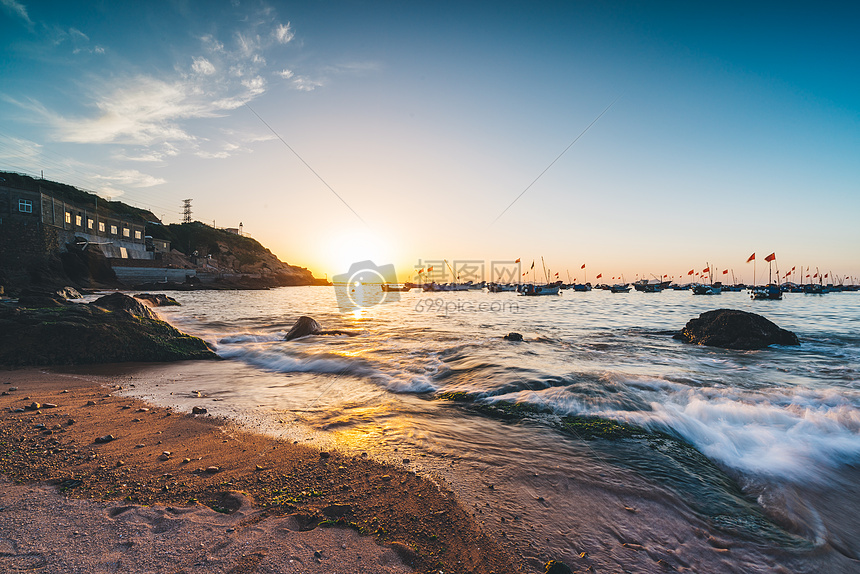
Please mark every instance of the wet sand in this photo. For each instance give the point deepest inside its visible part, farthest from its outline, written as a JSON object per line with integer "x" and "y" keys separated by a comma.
{"x": 97, "y": 482}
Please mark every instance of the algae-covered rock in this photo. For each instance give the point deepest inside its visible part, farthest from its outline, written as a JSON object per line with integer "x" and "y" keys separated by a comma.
{"x": 113, "y": 329}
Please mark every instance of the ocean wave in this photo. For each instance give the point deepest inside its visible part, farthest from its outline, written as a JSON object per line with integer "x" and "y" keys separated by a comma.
{"x": 276, "y": 360}
{"x": 790, "y": 434}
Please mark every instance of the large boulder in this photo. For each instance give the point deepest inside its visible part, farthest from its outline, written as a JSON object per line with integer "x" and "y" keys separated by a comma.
{"x": 304, "y": 326}
{"x": 307, "y": 326}
{"x": 732, "y": 329}
{"x": 113, "y": 329}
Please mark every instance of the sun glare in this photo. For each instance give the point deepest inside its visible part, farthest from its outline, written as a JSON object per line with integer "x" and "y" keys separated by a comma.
{"x": 346, "y": 249}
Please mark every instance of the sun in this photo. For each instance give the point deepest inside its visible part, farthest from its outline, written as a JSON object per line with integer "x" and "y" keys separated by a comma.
{"x": 346, "y": 248}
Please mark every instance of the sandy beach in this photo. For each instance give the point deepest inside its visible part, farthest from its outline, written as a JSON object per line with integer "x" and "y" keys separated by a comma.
{"x": 95, "y": 482}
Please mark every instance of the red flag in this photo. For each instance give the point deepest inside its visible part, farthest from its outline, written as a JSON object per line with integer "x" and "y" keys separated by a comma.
{"x": 814, "y": 276}
{"x": 429, "y": 269}
{"x": 691, "y": 271}
{"x": 751, "y": 258}
{"x": 792, "y": 268}
{"x": 518, "y": 260}
{"x": 556, "y": 274}
{"x": 725, "y": 271}
{"x": 421, "y": 270}
{"x": 599, "y": 275}
{"x": 533, "y": 266}
{"x": 583, "y": 266}
{"x": 825, "y": 275}
{"x": 770, "y": 257}
{"x": 807, "y": 275}
{"x": 705, "y": 270}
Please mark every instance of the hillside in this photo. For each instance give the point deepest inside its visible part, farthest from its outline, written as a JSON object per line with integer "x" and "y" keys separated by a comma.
{"x": 215, "y": 250}
{"x": 238, "y": 261}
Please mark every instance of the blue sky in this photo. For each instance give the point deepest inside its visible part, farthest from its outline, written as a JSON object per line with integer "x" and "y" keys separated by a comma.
{"x": 734, "y": 128}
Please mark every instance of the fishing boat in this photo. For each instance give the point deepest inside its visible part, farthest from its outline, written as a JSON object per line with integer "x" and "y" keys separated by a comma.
{"x": 534, "y": 290}
{"x": 500, "y": 287}
{"x": 620, "y": 288}
{"x": 712, "y": 288}
{"x": 770, "y": 292}
{"x": 391, "y": 287}
{"x": 582, "y": 287}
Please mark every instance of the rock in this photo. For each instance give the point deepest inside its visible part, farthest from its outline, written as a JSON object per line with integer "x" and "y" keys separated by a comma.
{"x": 49, "y": 406}
{"x": 105, "y": 438}
{"x": 199, "y": 411}
{"x": 33, "y": 406}
{"x": 164, "y": 456}
{"x": 121, "y": 302}
{"x": 213, "y": 469}
{"x": 91, "y": 403}
{"x": 115, "y": 328}
{"x": 157, "y": 299}
{"x": 304, "y": 326}
{"x": 732, "y": 329}
{"x": 325, "y": 454}
{"x": 557, "y": 567}
{"x": 513, "y": 337}
{"x": 386, "y": 477}
{"x": 307, "y": 326}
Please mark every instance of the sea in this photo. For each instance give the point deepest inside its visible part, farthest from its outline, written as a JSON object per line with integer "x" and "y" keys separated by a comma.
{"x": 741, "y": 461}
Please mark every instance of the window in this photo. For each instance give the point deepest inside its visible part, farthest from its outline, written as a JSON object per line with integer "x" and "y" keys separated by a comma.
{"x": 101, "y": 226}
{"x": 89, "y": 223}
{"x": 78, "y": 220}
{"x": 113, "y": 229}
{"x": 68, "y": 217}
{"x": 126, "y": 232}
{"x": 137, "y": 234}
{"x": 25, "y": 206}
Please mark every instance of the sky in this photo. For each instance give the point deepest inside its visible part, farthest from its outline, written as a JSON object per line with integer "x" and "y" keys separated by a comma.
{"x": 637, "y": 138}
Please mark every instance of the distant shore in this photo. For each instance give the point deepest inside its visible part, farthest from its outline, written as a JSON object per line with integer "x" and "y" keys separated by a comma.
{"x": 67, "y": 429}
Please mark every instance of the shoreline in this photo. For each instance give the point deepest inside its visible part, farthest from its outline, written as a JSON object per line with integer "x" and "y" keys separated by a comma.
{"x": 211, "y": 460}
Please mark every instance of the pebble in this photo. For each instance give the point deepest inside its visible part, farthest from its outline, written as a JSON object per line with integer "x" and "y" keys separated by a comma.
{"x": 105, "y": 438}
{"x": 325, "y": 454}
{"x": 212, "y": 469}
{"x": 164, "y": 456}
{"x": 143, "y": 410}
{"x": 386, "y": 477}
{"x": 70, "y": 422}
{"x": 186, "y": 460}
{"x": 34, "y": 406}
{"x": 141, "y": 445}
{"x": 13, "y": 388}
{"x": 49, "y": 406}
{"x": 91, "y": 403}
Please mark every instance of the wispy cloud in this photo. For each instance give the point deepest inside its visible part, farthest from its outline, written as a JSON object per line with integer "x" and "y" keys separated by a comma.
{"x": 17, "y": 9}
{"x": 131, "y": 178}
{"x": 201, "y": 65}
{"x": 152, "y": 114}
{"x": 284, "y": 33}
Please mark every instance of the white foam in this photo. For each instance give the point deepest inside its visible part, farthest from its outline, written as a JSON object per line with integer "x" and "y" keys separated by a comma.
{"x": 778, "y": 433}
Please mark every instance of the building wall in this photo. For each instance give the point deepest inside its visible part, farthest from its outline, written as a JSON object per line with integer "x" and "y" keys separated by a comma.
{"x": 136, "y": 275}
